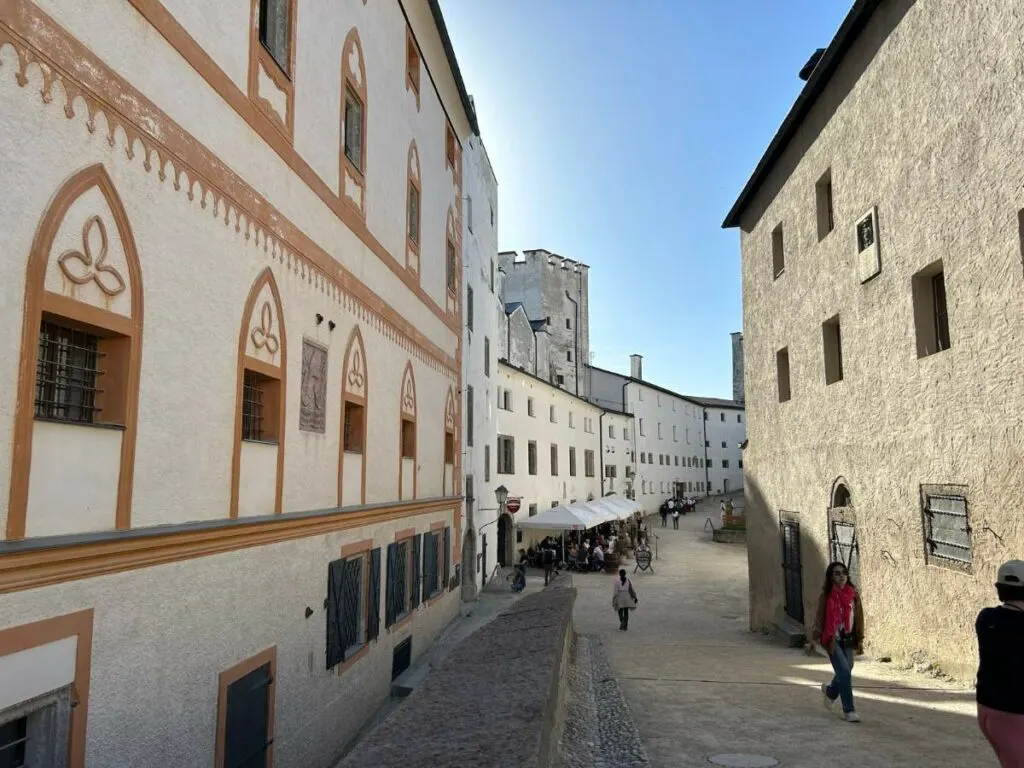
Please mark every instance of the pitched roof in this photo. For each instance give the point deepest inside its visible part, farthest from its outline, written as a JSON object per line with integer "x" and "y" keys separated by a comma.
{"x": 706, "y": 402}
{"x": 449, "y": 52}
{"x": 854, "y": 23}
{"x": 718, "y": 402}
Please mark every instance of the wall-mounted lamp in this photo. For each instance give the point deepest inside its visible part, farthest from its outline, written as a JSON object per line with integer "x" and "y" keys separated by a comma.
{"x": 330, "y": 325}
{"x": 319, "y": 318}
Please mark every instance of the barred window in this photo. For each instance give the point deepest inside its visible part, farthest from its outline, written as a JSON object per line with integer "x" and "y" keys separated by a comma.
{"x": 947, "y": 529}
{"x": 67, "y": 373}
{"x": 403, "y": 585}
{"x": 13, "y": 739}
{"x": 353, "y": 604}
{"x": 252, "y": 407}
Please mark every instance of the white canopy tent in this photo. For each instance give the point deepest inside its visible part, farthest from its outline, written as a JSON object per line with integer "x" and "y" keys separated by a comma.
{"x": 582, "y": 515}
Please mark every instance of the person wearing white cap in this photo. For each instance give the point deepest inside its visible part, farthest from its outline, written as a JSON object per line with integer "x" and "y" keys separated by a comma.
{"x": 1000, "y": 690}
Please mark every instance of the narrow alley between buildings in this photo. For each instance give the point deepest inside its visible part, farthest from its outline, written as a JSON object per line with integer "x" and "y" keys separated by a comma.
{"x": 702, "y": 689}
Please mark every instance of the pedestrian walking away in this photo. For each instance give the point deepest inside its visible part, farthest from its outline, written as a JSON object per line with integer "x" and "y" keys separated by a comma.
{"x": 624, "y": 599}
{"x": 839, "y": 626}
{"x": 1000, "y": 690}
{"x": 675, "y": 518}
{"x": 664, "y": 514}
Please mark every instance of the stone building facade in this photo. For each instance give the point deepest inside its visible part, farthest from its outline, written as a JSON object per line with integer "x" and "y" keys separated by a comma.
{"x": 554, "y": 292}
{"x": 230, "y": 359}
{"x": 737, "y": 367}
{"x": 483, "y": 321}
{"x": 881, "y": 247}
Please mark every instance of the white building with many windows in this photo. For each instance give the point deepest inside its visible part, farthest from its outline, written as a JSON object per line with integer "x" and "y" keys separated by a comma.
{"x": 482, "y": 312}
{"x": 725, "y": 431}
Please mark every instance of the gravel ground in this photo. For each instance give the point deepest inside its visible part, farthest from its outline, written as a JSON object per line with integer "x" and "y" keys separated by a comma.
{"x": 599, "y": 728}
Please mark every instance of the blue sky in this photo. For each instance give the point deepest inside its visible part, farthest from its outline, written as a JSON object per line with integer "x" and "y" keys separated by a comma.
{"x": 621, "y": 134}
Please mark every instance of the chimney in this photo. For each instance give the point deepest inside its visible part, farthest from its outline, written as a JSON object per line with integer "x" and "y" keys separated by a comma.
{"x": 636, "y": 366}
{"x": 812, "y": 63}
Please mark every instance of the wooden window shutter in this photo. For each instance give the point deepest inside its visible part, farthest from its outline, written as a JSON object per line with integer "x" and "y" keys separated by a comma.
{"x": 335, "y": 643}
{"x": 447, "y": 557}
{"x": 417, "y": 579}
{"x": 373, "y": 609}
{"x": 389, "y": 606}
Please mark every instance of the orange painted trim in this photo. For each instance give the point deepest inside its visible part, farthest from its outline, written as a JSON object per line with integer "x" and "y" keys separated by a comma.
{"x": 357, "y": 548}
{"x": 407, "y": 413}
{"x": 405, "y": 533}
{"x": 36, "y": 568}
{"x": 261, "y": 367}
{"x": 229, "y": 676}
{"x": 359, "y": 89}
{"x": 37, "y": 38}
{"x": 402, "y": 622}
{"x": 26, "y": 636}
{"x": 413, "y": 57}
{"x": 440, "y": 525}
{"x": 35, "y": 300}
{"x": 347, "y": 664}
{"x": 355, "y": 344}
{"x": 86, "y": 314}
{"x": 285, "y": 81}
{"x": 266, "y": 277}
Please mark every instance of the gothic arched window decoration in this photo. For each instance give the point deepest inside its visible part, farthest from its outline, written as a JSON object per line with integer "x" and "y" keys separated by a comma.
{"x": 407, "y": 434}
{"x": 354, "y": 398}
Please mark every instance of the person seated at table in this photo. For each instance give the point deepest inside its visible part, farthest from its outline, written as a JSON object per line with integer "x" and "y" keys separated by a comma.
{"x": 597, "y": 559}
{"x": 574, "y": 555}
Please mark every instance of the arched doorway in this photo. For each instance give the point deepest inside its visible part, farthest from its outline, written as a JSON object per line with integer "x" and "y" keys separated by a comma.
{"x": 842, "y": 529}
{"x": 506, "y": 541}
{"x": 469, "y": 566}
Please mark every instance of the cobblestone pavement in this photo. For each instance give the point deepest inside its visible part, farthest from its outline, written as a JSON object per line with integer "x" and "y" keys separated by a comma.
{"x": 599, "y": 728}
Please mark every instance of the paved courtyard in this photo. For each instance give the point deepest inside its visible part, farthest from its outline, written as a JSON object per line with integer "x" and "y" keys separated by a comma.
{"x": 699, "y": 684}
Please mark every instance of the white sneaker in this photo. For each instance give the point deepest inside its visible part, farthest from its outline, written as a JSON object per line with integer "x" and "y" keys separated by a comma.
{"x": 851, "y": 717}
{"x": 829, "y": 703}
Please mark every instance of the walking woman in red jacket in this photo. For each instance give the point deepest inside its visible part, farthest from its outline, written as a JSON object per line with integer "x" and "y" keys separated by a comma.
{"x": 839, "y": 627}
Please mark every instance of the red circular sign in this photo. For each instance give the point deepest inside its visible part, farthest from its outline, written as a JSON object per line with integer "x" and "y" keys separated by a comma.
{"x": 512, "y": 505}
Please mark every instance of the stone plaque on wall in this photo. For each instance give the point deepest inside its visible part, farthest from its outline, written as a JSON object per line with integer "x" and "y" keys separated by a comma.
{"x": 313, "y": 403}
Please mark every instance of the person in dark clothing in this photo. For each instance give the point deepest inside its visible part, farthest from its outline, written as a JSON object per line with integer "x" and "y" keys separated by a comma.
{"x": 664, "y": 514}
{"x": 1000, "y": 690}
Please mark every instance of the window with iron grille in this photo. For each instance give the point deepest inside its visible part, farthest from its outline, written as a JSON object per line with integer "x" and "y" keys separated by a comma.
{"x": 431, "y": 564}
{"x": 13, "y": 743}
{"x": 67, "y": 373}
{"x": 247, "y": 735}
{"x": 353, "y": 604}
{"x": 403, "y": 583}
{"x": 254, "y": 406}
{"x": 947, "y": 528}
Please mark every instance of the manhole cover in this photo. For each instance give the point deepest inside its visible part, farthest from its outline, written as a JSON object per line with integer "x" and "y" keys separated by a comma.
{"x": 743, "y": 761}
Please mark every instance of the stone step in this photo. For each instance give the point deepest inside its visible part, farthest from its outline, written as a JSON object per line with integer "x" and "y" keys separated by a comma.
{"x": 789, "y": 632}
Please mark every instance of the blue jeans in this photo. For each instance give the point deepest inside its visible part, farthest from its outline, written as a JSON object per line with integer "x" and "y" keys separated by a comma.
{"x": 842, "y": 683}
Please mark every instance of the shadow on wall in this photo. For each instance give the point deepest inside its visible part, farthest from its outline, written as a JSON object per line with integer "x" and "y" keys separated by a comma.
{"x": 769, "y": 570}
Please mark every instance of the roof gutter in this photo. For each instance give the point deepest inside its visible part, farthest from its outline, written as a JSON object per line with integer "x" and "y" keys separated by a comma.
{"x": 449, "y": 52}
{"x": 854, "y": 23}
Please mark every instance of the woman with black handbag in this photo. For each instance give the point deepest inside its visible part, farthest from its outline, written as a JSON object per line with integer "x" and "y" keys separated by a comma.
{"x": 839, "y": 626}
{"x": 624, "y": 599}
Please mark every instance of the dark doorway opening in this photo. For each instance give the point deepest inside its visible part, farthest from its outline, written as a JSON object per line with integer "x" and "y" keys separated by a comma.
{"x": 791, "y": 570}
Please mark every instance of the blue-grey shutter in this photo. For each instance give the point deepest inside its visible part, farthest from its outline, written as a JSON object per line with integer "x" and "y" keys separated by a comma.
{"x": 351, "y": 601}
{"x": 416, "y": 580}
{"x": 389, "y": 607}
{"x": 429, "y": 569}
{"x": 335, "y": 644}
{"x": 373, "y": 610}
{"x": 247, "y": 720}
{"x": 447, "y": 557}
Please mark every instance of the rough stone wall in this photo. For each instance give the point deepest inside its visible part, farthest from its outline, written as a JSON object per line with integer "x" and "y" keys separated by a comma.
{"x": 521, "y": 342}
{"x": 471, "y": 711}
{"x": 924, "y": 121}
{"x": 737, "y": 367}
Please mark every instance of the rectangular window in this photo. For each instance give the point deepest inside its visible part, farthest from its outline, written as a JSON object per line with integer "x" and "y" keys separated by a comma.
{"x": 931, "y": 318}
{"x": 13, "y": 742}
{"x": 433, "y": 564}
{"x": 414, "y": 214}
{"x": 723, "y": 443}
{"x": 677, "y": 461}
{"x": 492, "y": 271}
{"x": 487, "y": 463}
{"x": 354, "y": 427}
{"x": 408, "y": 439}
{"x": 451, "y": 264}
{"x": 487, "y": 357}
{"x": 353, "y": 593}
{"x": 529, "y": 407}
{"x": 568, "y": 356}
{"x": 469, "y": 415}
{"x": 643, "y": 432}
{"x": 554, "y": 460}
{"x": 67, "y": 372}
{"x": 947, "y": 529}
{"x": 506, "y": 455}
{"x": 675, "y": 434}
{"x": 559, "y": 379}
{"x": 449, "y": 447}
{"x": 725, "y": 463}
{"x": 588, "y": 463}
{"x": 572, "y": 421}
{"x": 412, "y": 63}
{"x": 832, "y": 344}
{"x": 741, "y": 463}
{"x": 533, "y": 510}
{"x": 531, "y": 457}
{"x": 551, "y": 415}
{"x": 823, "y": 198}
{"x": 469, "y": 212}
{"x": 659, "y": 430}
{"x": 782, "y": 373}
{"x": 625, "y": 433}
{"x": 449, "y": 146}
{"x": 643, "y": 458}
{"x": 710, "y": 463}
{"x": 354, "y": 129}
{"x": 469, "y": 307}
{"x": 274, "y": 33}
{"x": 778, "y": 253}
{"x": 259, "y": 407}
{"x": 650, "y": 458}
{"x": 248, "y": 705}
{"x": 403, "y": 583}
{"x": 661, "y": 459}
{"x": 739, "y": 418}
{"x": 572, "y": 461}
